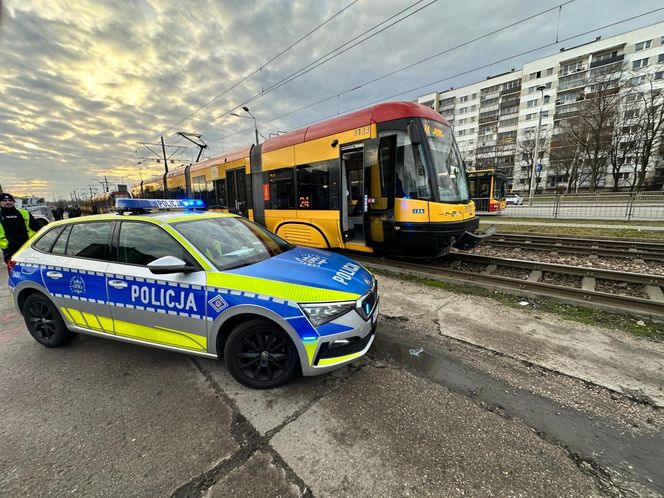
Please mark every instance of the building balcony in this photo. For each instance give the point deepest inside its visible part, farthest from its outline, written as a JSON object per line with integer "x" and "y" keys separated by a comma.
{"x": 490, "y": 95}
{"x": 605, "y": 62}
{"x": 492, "y": 118}
{"x": 571, "y": 85}
{"x": 508, "y": 91}
{"x": 567, "y": 72}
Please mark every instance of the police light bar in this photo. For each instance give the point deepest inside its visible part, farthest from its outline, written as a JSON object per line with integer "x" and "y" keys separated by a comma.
{"x": 126, "y": 204}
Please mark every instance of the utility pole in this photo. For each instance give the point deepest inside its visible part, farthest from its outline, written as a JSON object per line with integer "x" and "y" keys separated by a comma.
{"x": 163, "y": 148}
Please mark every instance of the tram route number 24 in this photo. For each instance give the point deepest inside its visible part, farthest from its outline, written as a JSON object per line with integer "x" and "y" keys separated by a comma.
{"x": 364, "y": 130}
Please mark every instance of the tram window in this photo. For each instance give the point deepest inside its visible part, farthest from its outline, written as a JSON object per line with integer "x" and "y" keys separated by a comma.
{"x": 282, "y": 189}
{"x": 313, "y": 182}
{"x": 198, "y": 184}
{"x": 220, "y": 192}
{"x": 412, "y": 180}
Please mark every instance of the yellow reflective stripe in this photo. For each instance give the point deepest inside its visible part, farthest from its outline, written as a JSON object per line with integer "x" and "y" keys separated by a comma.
{"x": 311, "y": 346}
{"x": 92, "y": 321}
{"x": 333, "y": 361}
{"x": 67, "y": 315}
{"x": 284, "y": 290}
{"x": 77, "y": 317}
{"x": 106, "y": 323}
{"x": 161, "y": 335}
{"x": 200, "y": 216}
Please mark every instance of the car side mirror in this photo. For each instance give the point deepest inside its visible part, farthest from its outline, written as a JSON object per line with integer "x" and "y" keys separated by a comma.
{"x": 169, "y": 264}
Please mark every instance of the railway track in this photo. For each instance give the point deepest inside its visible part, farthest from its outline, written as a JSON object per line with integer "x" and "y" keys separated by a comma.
{"x": 576, "y": 285}
{"x": 613, "y": 248}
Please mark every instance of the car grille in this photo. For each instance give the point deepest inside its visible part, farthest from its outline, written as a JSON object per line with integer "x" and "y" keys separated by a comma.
{"x": 354, "y": 345}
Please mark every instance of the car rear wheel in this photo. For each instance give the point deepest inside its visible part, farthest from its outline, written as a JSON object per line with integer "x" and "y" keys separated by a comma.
{"x": 44, "y": 322}
{"x": 260, "y": 355}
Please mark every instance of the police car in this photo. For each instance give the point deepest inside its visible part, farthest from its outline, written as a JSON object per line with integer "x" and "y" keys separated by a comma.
{"x": 210, "y": 284}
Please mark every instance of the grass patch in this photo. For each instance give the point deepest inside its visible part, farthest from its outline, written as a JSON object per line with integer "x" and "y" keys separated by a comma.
{"x": 543, "y": 229}
{"x": 588, "y": 316}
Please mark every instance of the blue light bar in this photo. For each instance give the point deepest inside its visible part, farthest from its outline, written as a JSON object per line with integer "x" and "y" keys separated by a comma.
{"x": 135, "y": 204}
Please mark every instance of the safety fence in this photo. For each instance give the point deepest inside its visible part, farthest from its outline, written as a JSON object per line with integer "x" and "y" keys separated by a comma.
{"x": 643, "y": 206}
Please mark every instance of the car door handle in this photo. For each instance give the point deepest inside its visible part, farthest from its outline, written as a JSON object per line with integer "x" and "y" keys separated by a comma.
{"x": 117, "y": 284}
{"x": 53, "y": 274}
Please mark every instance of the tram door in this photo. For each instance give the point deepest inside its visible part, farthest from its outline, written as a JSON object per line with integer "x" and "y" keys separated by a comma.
{"x": 355, "y": 180}
{"x": 235, "y": 189}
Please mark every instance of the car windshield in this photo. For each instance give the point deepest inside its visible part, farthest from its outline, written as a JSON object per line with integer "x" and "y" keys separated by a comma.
{"x": 232, "y": 242}
{"x": 448, "y": 169}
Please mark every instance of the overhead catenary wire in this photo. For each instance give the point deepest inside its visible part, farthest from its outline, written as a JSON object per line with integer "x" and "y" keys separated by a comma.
{"x": 456, "y": 75}
{"x": 260, "y": 68}
{"x": 319, "y": 61}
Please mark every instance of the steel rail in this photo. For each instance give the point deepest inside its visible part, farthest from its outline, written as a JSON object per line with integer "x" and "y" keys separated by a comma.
{"x": 577, "y": 296}
{"x": 646, "y": 250}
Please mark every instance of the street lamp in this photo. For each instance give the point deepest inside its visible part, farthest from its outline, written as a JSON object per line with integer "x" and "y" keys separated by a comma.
{"x": 246, "y": 109}
{"x": 541, "y": 89}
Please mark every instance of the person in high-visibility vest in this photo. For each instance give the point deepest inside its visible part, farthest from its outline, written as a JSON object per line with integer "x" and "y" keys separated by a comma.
{"x": 16, "y": 226}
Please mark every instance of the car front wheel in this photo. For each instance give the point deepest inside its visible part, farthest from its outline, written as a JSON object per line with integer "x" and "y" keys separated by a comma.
{"x": 44, "y": 322}
{"x": 260, "y": 355}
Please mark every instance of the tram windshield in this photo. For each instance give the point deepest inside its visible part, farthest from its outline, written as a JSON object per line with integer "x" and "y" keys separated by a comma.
{"x": 447, "y": 168}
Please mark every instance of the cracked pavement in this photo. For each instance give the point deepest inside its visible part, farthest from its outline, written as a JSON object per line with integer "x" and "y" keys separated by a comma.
{"x": 103, "y": 418}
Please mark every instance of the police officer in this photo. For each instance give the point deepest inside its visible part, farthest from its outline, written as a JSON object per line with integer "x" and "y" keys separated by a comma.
{"x": 16, "y": 226}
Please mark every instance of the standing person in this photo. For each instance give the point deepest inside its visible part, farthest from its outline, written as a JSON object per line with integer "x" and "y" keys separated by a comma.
{"x": 16, "y": 226}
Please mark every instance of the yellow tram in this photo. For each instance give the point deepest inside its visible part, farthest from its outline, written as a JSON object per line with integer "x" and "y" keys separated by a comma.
{"x": 487, "y": 190}
{"x": 388, "y": 178}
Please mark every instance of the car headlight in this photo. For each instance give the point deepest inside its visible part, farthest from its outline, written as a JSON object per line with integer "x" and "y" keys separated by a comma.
{"x": 320, "y": 313}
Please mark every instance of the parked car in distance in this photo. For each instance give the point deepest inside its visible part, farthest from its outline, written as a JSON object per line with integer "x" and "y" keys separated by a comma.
{"x": 514, "y": 198}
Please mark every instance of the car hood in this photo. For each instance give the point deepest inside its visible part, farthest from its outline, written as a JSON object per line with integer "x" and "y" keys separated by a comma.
{"x": 312, "y": 268}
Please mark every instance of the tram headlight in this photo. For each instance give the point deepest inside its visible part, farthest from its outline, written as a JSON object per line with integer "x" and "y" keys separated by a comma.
{"x": 320, "y": 313}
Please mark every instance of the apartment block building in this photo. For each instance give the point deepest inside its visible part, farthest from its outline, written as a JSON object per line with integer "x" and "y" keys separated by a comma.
{"x": 496, "y": 120}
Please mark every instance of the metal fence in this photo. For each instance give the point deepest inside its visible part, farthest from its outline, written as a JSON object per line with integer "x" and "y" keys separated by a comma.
{"x": 640, "y": 206}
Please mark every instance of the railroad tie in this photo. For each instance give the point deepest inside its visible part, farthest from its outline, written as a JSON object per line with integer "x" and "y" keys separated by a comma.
{"x": 588, "y": 284}
{"x": 655, "y": 293}
{"x": 490, "y": 269}
{"x": 535, "y": 276}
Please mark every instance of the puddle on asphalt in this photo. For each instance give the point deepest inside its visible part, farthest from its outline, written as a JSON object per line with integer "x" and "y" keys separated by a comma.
{"x": 637, "y": 456}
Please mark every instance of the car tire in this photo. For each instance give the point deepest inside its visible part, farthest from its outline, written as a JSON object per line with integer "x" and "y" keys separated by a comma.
{"x": 260, "y": 354}
{"x": 44, "y": 322}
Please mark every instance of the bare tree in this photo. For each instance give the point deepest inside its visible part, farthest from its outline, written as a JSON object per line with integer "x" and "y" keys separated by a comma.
{"x": 650, "y": 121}
{"x": 525, "y": 151}
{"x": 625, "y": 142}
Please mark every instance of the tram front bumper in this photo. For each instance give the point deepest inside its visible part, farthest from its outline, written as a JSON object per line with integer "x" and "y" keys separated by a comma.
{"x": 469, "y": 240}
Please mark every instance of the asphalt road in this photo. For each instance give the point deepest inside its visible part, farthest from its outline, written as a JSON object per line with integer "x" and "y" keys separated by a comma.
{"x": 103, "y": 418}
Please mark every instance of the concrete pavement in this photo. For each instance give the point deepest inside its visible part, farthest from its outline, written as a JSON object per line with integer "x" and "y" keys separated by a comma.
{"x": 106, "y": 419}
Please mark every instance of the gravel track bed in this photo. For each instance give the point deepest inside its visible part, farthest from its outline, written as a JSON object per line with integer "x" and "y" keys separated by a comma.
{"x": 586, "y": 261}
{"x": 560, "y": 279}
{"x": 506, "y": 271}
{"x": 621, "y": 288}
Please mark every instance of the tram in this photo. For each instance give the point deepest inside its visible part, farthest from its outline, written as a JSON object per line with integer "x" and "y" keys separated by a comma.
{"x": 103, "y": 202}
{"x": 487, "y": 190}
{"x": 388, "y": 178}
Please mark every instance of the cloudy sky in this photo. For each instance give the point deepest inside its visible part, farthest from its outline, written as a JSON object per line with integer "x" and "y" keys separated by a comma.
{"x": 83, "y": 82}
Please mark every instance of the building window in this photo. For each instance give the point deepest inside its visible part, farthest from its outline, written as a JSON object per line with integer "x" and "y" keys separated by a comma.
{"x": 640, "y": 63}
{"x": 471, "y": 130}
{"x": 549, "y": 72}
{"x": 637, "y": 80}
{"x": 461, "y": 133}
{"x": 532, "y": 103}
{"x": 660, "y": 58}
{"x": 473, "y": 107}
{"x": 659, "y": 75}
{"x": 531, "y": 116}
{"x": 463, "y": 110}
{"x": 632, "y": 113}
{"x": 643, "y": 45}
{"x": 474, "y": 96}
{"x": 545, "y": 114}
{"x": 547, "y": 99}
{"x": 464, "y": 98}
{"x": 472, "y": 120}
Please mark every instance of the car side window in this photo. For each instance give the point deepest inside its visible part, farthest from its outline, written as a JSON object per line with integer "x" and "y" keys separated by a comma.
{"x": 142, "y": 243}
{"x": 46, "y": 241}
{"x": 61, "y": 244}
{"x": 89, "y": 240}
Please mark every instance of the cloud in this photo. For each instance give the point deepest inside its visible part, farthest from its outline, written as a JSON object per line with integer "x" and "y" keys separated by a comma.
{"x": 83, "y": 82}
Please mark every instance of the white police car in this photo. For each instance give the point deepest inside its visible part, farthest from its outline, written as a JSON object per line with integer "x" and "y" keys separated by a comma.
{"x": 210, "y": 284}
